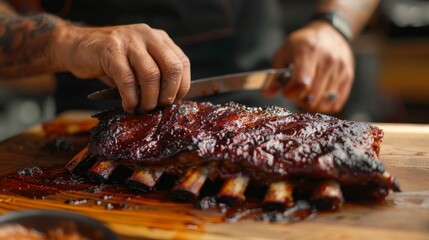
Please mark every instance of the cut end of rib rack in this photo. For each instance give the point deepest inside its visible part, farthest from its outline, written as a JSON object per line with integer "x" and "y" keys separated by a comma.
{"x": 389, "y": 181}
{"x": 81, "y": 161}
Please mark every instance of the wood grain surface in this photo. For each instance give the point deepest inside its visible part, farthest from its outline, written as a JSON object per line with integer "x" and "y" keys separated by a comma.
{"x": 405, "y": 215}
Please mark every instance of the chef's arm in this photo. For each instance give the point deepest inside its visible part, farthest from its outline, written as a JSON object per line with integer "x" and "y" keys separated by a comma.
{"x": 145, "y": 64}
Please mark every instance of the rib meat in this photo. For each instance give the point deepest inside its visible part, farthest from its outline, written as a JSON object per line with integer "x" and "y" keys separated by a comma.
{"x": 270, "y": 146}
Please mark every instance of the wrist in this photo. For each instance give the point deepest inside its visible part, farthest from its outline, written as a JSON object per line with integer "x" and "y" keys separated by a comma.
{"x": 337, "y": 22}
{"x": 322, "y": 27}
{"x": 62, "y": 43}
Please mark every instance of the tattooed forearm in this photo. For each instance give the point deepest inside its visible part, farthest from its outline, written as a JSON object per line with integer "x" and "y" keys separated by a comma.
{"x": 24, "y": 43}
{"x": 17, "y": 33}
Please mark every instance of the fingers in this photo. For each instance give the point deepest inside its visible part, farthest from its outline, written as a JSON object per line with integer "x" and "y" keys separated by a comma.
{"x": 148, "y": 68}
{"x": 340, "y": 84}
{"x": 345, "y": 89}
{"x": 166, "y": 77}
{"x": 171, "y": 72}
{"x": 323, "y": 68}
{"x": 185, "y": 81}
{"x": 313, "y": 84}
{"x": 317, "y": 92}
{"x": 148, "y": 75}
{"x": 117, "y": 68}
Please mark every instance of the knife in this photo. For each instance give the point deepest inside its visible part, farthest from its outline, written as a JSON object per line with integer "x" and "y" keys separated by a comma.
{"x": 220, "y": 84}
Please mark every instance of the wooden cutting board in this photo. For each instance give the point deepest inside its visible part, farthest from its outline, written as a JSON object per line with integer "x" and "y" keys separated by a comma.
{"x": 405, "y": 215}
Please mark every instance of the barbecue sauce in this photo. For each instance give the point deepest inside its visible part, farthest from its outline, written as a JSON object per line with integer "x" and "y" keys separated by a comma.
{"x": 40, "y": 182}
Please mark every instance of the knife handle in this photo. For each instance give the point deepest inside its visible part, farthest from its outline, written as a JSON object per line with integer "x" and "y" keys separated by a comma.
{"x": 277, "y": 79}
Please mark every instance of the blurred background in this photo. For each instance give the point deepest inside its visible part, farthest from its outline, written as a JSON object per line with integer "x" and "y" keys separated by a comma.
{"x": 391, "y": 84}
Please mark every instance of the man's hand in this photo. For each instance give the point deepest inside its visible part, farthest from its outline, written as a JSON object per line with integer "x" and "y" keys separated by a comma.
{"x": 323, "y": 68}
{"x": 148, "y": 68}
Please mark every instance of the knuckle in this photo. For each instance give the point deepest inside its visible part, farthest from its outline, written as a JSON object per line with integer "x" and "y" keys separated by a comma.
{"x": 174, "y": 67}
{"x": 186, "y": 63}
{"x": 152, "y": 35}
{"x": 330, "y": 59}
{"x": 112, "y": 37}
{"x": 153, "y": 75}
{"x": 143, "y": 27}
{"x": 163, "y": 33}
{"x": 311, "y": 46}
{"x": 341, "y": 66}
{"x": 127, "y": 79}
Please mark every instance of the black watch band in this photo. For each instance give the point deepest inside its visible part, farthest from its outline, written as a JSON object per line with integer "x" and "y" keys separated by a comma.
{"x": 338, "y": 22}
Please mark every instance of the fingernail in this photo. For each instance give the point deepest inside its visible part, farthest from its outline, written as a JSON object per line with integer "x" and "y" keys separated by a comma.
{"x": 170, "y": 100}
{"x": 167, "y": 101}
{"x": 307, "y": 81}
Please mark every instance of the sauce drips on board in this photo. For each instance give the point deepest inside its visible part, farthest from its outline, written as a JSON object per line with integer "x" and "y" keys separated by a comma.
{"x": 46, "y": 182}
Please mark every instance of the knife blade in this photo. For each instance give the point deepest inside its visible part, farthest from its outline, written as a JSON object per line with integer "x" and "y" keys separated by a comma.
{"x": 244, "y": 81}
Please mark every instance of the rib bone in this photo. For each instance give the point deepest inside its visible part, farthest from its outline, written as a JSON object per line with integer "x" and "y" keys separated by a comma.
{"x": 101, "y": 170}
{"x": 232, "y": 191}
{"x": 389, "y": 181}
{"x": 189, "y": 186}
{"x": 327, "y": 196}
{"x": 144, "y": 179}
{"x": 279, "y": 196}
{"x": 79, "y": 159}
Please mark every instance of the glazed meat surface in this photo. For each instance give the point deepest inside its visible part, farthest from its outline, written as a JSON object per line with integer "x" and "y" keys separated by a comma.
{"x": 267, "y": 144}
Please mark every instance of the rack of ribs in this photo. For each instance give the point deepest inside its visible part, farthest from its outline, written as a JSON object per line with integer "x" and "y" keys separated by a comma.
{"x": 312, "y": 155}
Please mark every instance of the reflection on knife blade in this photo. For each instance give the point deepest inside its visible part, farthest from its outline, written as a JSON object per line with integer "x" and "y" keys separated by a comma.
{"x": 220, "y": 84}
